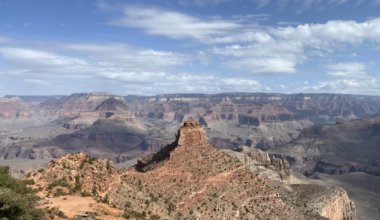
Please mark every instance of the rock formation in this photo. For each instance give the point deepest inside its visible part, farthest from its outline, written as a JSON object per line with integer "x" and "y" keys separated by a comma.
{"x": 190, "y": 179}
{"x": 269, "y": 165}
{"x": 349, "y": 146}
{"x": 11, "y": 108}
{"x": 191, "y": 133}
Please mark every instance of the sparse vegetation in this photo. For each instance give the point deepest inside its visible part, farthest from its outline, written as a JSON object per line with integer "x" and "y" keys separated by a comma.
{"x": 105, "y": 199}
{"x": 41, "y": 170}
{"x": 60, "y": 182}
{"x": 109, "y": 166}
{"x": 128, "y": 213}
{"x": 77, "y": 186}
{"x": 94, "y": 192}
{"x": 54, "y": 211}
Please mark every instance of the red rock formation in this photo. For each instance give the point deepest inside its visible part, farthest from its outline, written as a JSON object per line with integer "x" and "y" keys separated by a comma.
{"x": 191, "y": 133}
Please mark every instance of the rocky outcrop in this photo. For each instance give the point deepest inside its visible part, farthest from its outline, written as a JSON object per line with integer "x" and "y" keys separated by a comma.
{"x": 330, "y": 202}
{"x": 76, "y": 174}
{"x": 191, "y": 133}
{"x": 255, "y": 160}
{"x": 339, "y": 207}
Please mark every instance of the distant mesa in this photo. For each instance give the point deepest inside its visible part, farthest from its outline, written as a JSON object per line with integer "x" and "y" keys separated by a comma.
{"x": 112, "y": 104}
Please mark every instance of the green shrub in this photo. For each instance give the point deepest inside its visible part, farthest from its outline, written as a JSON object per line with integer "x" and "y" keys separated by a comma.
{"x": 17, "y": 201}
{"x": 61, "y": 182}
{"x": 54, "y": 211}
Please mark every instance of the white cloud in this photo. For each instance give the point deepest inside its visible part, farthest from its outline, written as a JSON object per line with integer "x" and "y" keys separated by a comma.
{"x": 266, "y": 65}
{"x": 281, "y": 49}
{"x": 37, "y": 82}
{"x": 137, "y": 70}
{"x": 370, "y": 86}
{"x": 253, "y": 48}
{"x": 347, "y": 70}
{"x": 241, "y": 82}
{"x": 268, "y": 57}
{"x": 32, "y": 57}
{"x": 132, "y": 77}
{"x": 94, "y": 59}
{"x": 325, "y": 35}
{"x": 172, "y": 24}
{"x": 125, "y": 56}
{"x": 305, "y": 5}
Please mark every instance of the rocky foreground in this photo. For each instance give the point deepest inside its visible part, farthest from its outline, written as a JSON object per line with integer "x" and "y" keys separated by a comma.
{"x": 189, "y": 179}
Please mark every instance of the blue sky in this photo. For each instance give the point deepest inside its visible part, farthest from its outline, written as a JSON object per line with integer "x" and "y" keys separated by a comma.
{"x": 189, "y": 46}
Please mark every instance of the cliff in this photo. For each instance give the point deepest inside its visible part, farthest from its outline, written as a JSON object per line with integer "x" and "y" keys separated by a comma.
{"x": 349, "y": 146}
{"x": 11, "y": 108}
{"x": 330, "y": 202}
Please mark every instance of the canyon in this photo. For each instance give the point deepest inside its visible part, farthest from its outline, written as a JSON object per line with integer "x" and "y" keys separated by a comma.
{"x": 319, "y": 138}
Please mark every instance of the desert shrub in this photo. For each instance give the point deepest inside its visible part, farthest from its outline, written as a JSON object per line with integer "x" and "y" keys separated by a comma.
{"x": 41, "y": 170}
{"x": 128, "y": 214}
{"x": 59, "y": 192}
{"x": 154, "y": 217}
{"x": 29, "y": 182}
{"x": 77, "y": 186}
{"x": 105, "y": 199}
{"x": 85, "y": 194}
{"x": 17, "y": 201}
{"x": 109, "y": 166}
{"x": 94, "y": 192}
{"x": 54, "y": 211}
{"x": 60, "y": 182}
{"x": 171, "y": 207}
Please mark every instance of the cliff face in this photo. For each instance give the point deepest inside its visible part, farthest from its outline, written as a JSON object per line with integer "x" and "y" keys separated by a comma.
{"x": 339, "y": 207}
{"x": 191, "y": 134}
{"x": 269, "y": 165}
{"x": 76, "y": 103}
{"x": 260, "y": 106}
{"x": 11, "y": 108}
{"x": 330, "y": 202}
{"x": 337, "y": 149}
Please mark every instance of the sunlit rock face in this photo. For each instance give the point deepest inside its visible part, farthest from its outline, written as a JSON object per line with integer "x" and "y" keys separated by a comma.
{"x": 191, "y": 133}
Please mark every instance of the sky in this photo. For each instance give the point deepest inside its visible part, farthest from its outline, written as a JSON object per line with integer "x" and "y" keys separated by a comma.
{"x": 50, "y": 47}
